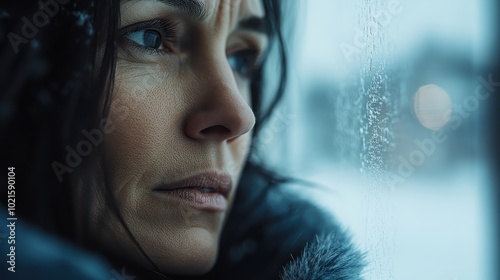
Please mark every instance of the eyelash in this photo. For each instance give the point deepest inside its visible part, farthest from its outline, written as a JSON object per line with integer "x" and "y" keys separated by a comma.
{"x": 166, "y": 28}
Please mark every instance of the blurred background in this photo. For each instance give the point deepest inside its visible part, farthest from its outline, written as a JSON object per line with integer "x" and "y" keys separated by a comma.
{"x": 393, "y": 106}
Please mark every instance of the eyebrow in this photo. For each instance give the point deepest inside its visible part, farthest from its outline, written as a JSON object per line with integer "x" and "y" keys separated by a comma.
{"x": 196, "y": 10}
{"x": 256, "y": 24}
{"x": 192, "y": 8}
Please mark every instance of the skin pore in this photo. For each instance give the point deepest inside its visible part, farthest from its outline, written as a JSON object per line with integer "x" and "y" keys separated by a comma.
{"x": 180, "y": 107}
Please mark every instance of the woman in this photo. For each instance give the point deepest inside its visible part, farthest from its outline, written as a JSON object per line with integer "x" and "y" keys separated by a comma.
{"x": 129, "y": 124}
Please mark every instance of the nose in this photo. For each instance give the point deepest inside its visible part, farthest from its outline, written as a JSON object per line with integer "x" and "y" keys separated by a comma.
{"x": 220, "y": 112}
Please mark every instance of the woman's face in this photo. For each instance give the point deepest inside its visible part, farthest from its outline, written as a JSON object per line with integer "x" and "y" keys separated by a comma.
{"x": 180, "y": 120}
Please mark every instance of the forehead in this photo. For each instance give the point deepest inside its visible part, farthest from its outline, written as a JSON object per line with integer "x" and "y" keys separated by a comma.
{"x": 206, "y": 9}
{"x": 243, "y": 8}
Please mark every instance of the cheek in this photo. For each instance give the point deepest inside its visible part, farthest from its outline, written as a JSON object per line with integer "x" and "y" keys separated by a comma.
{"x": 244, "y": 88}
{"x": 240, "y": 147}
{"x": 147, "y": 124}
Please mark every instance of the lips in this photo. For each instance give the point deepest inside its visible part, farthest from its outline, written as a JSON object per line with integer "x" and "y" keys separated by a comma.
{"x": 206, "y": 191}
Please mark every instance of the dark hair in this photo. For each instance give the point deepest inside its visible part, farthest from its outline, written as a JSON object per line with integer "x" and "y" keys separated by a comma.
{"x": 53, "y": 81}
{"x": 49, "y": 96}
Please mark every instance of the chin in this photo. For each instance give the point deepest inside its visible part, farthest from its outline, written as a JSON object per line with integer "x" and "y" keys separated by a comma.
{"x": 195, "y": 253}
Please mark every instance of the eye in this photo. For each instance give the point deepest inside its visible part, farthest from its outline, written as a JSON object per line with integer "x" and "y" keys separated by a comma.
{"x": 149, "y": 38}
{"x": 243, "y": 62}
{"x": 152, "y": 36}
